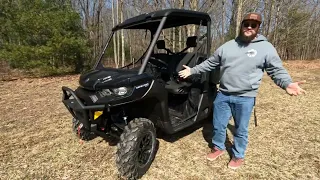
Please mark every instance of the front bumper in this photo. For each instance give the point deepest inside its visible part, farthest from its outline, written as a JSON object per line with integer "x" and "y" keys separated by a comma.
{"x": 78, "y": 109}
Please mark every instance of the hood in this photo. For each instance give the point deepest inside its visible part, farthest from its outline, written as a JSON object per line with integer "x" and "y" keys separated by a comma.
{"x": 110, "y": 78}
{"x": 259, "y": 39}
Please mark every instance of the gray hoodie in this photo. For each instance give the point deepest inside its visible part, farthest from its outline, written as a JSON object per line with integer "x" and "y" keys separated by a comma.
{"x": 242, "y": 66}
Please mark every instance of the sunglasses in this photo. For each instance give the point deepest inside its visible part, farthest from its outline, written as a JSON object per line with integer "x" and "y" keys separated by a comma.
{"x": 252, "y": 25}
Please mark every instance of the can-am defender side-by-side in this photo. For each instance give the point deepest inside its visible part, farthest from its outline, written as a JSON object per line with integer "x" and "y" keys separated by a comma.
{"x": 136, "y": 101}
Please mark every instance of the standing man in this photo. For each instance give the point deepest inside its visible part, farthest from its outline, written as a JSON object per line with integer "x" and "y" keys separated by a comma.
{"x": 242, "y": 62}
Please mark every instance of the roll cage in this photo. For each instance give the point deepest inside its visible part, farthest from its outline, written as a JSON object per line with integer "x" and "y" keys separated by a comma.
{"x": 155, "y": 22}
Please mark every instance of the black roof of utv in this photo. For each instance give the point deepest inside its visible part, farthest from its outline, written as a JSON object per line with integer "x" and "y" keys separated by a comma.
{"x": 176, "y": 17}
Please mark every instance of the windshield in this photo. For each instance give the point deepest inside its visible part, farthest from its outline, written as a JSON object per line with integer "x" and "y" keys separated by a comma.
{"x": 127, "y": 48}
{"x": 175, "y": 38}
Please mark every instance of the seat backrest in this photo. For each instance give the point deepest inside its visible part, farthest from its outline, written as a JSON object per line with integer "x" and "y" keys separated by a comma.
{"x": 161, "y": 44}
{"x": 186, "y": 60}
{"x": 191, "y": 42}
{"x": 190, "y": 59}
{"x": 162, "y": 56}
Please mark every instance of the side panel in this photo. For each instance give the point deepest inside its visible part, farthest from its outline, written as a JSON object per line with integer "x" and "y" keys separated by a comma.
{"x": 160, "y": 94}
{"x": 207, "y": 98}
{"x": 153, "y": 105}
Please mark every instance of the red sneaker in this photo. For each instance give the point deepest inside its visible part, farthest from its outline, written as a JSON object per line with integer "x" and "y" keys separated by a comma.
{"x": 235, "y": 163}
{"x": 215, "y": 153}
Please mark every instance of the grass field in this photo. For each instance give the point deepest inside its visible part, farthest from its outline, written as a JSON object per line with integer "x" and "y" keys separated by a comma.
{"x": 36, "y": 141}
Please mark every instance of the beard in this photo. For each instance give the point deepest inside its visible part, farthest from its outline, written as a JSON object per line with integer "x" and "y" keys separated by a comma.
{"x": 246, "y": 39}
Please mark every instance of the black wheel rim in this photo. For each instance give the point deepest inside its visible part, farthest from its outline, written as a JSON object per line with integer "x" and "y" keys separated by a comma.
{"x": 145, "y": 149}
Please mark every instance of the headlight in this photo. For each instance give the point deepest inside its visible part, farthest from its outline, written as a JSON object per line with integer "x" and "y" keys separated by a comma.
{"x": 120, "y": 91}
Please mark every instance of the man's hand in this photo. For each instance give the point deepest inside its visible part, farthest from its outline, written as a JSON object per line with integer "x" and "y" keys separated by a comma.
{"x": 295, "y": 89}
{"x": 185, "y": 73}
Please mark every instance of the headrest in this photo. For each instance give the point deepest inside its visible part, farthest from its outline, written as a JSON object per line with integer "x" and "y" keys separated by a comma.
{"x": 192, "y": 41}
{"x": 161, "y": 44}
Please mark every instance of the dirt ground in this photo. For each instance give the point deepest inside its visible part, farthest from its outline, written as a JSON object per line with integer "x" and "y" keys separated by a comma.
{"x": 37, "y": 141}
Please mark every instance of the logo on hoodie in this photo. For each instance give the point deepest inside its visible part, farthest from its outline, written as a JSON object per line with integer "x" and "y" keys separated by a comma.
{"x": 252, "y": 53}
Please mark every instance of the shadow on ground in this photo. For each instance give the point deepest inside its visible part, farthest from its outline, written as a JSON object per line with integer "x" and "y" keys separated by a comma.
{"x": 207, "y": 132}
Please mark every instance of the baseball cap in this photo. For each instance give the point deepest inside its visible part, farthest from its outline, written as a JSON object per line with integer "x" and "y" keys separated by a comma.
{"x": 253, "y": 16}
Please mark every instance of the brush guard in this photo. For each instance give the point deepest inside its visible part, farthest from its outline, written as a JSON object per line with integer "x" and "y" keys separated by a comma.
{"x": 77, "y": 109}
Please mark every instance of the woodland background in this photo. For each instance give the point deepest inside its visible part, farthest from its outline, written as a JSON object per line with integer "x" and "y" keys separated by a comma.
{"x": 49, "y": 37}
{"x": 55, "y": 37}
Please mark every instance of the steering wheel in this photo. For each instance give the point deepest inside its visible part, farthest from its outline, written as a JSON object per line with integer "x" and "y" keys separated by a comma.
{"x": 157, "y": 62}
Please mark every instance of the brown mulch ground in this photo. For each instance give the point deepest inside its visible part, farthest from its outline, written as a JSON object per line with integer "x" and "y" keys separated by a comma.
{"x": 37, "y": 141}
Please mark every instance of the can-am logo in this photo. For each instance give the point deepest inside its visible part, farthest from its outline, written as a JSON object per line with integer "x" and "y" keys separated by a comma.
{"x": 106, "y": 79}
{"x": 142, "y": 85}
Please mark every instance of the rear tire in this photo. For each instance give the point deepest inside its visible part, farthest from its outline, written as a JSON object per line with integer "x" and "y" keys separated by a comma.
{"x": 136, "y": 148}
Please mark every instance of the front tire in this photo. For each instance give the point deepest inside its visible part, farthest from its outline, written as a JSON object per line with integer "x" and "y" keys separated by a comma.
{"x": 80, "y": 131}
{"x": 136, "y": 148}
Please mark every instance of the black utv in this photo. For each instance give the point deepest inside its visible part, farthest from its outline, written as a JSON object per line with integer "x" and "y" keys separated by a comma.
{"x": 145, "y": 95}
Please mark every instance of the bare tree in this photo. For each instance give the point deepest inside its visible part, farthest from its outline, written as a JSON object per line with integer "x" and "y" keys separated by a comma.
{"x": 181, "y": 5}
{"x": 223, "y": 20}
{"x": 239, "y": 15}
{"x": 283, "y": 23}
{"x": 118, "y": 34}
{"x": 122, "y": 35}
{"x": 114, "y": 37}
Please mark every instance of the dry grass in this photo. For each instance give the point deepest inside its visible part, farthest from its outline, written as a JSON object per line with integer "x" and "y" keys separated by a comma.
{"x": 37, "y": 142}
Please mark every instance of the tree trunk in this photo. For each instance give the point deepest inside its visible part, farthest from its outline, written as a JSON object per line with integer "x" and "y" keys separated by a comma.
{"x": 118, "y": 33}
{"x": 173, "y": 34}
{"x": 122, "y": 35}
{"x": 94, "y": 29}
{"x": 87, "y": 14}
{"x": 265, "y": 11}
{"x": 239, "y": 15}
{"x": 276, "y": 24}
{"x": 271, "y": 10}
{"x": 232, "y": 22}
{"x": 193, "y": 6}
{"x": 222, "y": 21}
{"x": 180, "y": 28}
{"x": 100, "y": 5}
{"x": 114, "y": 37}
{"x": 130, "y": 50}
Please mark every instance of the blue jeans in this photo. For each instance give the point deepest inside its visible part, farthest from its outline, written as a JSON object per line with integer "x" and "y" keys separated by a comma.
{"x": 240, "y": 108}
